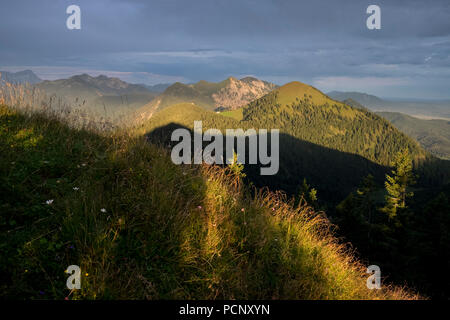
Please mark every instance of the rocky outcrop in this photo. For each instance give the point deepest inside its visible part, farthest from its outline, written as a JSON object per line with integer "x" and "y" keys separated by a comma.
{"x": 238, "y": 93}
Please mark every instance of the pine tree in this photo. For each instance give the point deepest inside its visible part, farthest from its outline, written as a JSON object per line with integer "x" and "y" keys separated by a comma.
{"x": 307, "y": 193}
{"x": 397, "y": 184}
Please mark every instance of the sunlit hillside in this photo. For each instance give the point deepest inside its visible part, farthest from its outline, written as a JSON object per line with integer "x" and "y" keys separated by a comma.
{"x": 141, "y": 227}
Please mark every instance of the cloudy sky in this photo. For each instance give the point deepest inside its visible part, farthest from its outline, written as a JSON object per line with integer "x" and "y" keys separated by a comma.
{"x": 323, "y": 43}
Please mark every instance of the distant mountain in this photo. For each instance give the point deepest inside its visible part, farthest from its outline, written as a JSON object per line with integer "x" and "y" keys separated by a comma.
{"x": 92, "y": 86}
{"x": 100, "y": 94}
{"x": 352, "y": 103}
{"x": 26, "y": 76}
{"x": 365, "y": 99}
{"x": 433, "y": 135}
{"x": 426, "y": 109}
{"x": 228, "y": 94}
{"x": 158, "y": 88}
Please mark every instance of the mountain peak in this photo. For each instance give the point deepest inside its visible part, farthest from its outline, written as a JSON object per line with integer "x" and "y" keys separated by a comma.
{"x": 295, "y": 90}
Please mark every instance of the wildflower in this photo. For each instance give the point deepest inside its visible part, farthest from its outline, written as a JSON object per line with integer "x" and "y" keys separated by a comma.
{"x": 26, "y": 270}
{"x": 199, "y": 207}
{"x": 49, "y": 202}
{"x": 66, "y": 298}
{"x": 76, "y": 188}
{"x": 273, "y": 209}
{"x": 83, "y": 164}
{"x": 243, "y": 210}
{"x": 71, "y": 247}
{"x": 103, "y": 210}
{"x": 41, "y": 292}
{"x": 87, "y": 274}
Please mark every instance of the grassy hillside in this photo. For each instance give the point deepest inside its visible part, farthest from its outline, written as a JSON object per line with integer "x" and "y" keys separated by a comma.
{"x": 184, "y": 114}
{"x": 433, "y": 135}
{"x": 142, "y": 228}
{"x": 305, "y": 113}
{"x": 294, "y": 91}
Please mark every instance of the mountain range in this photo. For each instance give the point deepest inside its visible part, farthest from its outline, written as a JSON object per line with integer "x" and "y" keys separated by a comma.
{"x": 114, "y": 98}
{"x": 334, "y": 155}
{"x": 117, "y": 99}
{"x": 228, "y": 94}
{"x": 103, "y": 95}
{"x": 425, "y": 109}
{"x": 362, "y": 98}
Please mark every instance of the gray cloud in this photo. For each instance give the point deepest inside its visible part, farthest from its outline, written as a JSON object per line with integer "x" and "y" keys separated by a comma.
{"x": 319, "y": 42}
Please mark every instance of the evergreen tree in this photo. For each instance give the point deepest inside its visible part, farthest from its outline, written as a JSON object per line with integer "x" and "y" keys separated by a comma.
{"x": 355, "y": 214}
{"x": 397, "y": 184}
{"x": 307, "y": 194}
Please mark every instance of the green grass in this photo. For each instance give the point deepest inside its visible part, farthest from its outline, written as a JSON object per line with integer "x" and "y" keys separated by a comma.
{"x": 290, "y": 92}
{"x": 185, "y": 114}
{"x": 235, "y": 114}
{"x": 167, "y": 231}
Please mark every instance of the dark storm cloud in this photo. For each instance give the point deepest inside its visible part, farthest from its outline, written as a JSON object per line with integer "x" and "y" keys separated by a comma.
{"x": 325, "y": 43}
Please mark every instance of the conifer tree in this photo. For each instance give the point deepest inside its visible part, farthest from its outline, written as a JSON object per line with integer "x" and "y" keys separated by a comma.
{"x": 307, "y": 193}
{"x": 397, "y": 184}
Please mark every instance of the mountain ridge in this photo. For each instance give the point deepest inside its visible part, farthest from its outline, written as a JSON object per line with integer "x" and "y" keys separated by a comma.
{"x": 98, "y": 94}
{"x": 230, "y": 93}
{"x": 433, "y": 134}
{"x": 20, "y": 77}
{"x": 365, "y": 99}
